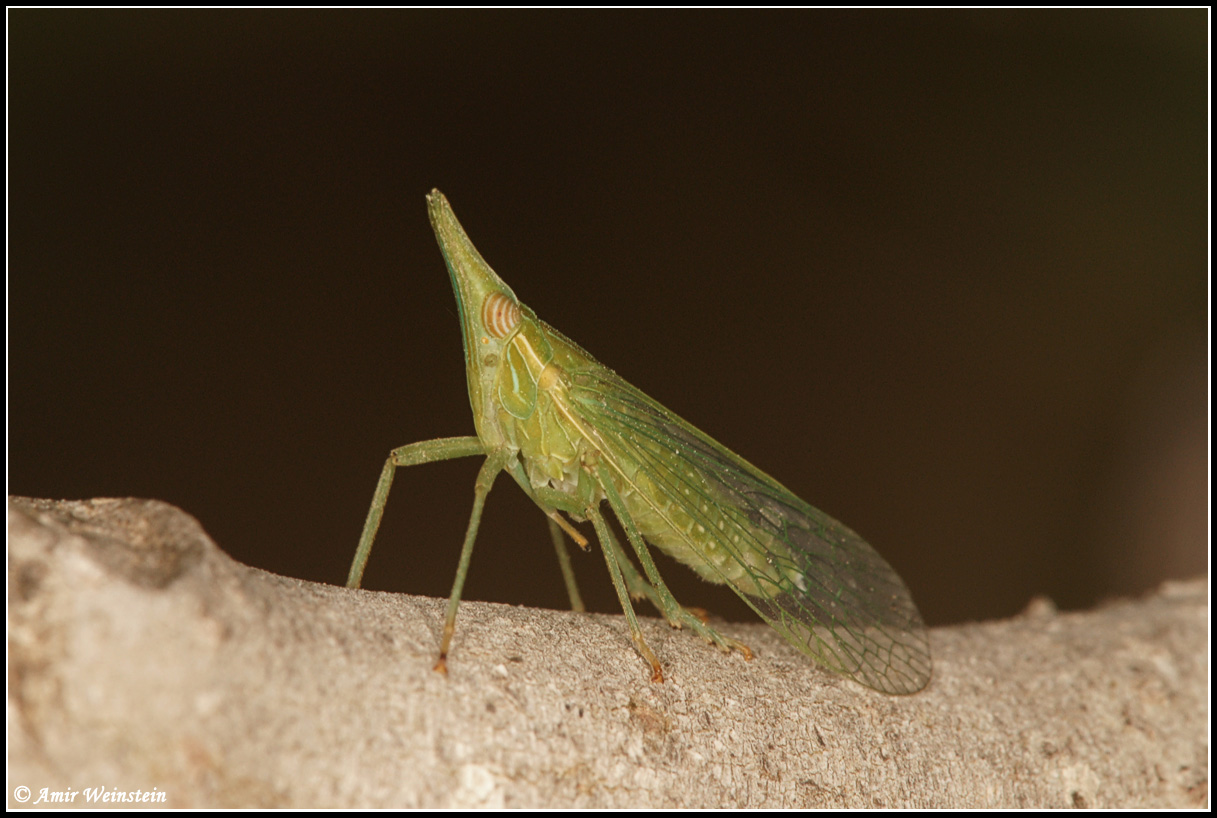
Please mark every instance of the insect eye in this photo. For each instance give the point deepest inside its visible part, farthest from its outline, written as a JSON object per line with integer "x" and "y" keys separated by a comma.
{"x": 500, "y": 315}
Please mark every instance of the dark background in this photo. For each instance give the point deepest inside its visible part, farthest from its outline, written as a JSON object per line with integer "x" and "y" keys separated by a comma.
{"x": 942, "y": 274}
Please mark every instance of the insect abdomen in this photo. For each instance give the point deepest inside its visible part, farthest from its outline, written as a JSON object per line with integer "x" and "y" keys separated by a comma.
{"x": 699, "y": 530}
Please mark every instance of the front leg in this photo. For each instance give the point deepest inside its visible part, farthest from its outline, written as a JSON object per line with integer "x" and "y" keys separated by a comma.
{"x": 427, "y": 451}
{"x": 495, "y": 463}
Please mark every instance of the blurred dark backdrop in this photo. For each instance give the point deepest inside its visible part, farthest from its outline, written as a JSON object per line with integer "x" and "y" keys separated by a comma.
{"x": 942, "y": 274}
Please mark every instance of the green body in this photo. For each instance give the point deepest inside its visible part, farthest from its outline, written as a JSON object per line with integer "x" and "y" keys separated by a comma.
{"x": 573, "y": 434}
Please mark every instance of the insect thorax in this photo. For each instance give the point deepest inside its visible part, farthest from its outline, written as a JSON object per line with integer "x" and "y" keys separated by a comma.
{"x": 530, "y": 386}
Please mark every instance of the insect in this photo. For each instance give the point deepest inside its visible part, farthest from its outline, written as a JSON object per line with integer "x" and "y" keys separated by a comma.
{"x": 573, "y": 435}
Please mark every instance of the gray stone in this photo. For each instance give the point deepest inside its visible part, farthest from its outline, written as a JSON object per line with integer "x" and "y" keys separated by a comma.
{"x": 143, "y": 659}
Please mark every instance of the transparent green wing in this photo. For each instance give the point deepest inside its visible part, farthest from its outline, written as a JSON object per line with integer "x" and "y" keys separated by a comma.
{"x": 810, "y": 577}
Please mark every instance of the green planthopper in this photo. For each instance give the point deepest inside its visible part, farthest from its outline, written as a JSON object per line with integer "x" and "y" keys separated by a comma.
{"x": 573, "y": 434}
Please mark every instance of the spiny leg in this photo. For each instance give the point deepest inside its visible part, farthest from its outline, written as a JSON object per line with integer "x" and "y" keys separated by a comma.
{"x": 552, "y": 501}
{"x": 427, "y": 451}
{"x": 638, "y": 587}
{"x": 641, "y": 589}
{"x": 675, "y": 613}
{"x": 543, "y": 497}
{"x": 568, "y": 573}
{"x": 485, "y": 480}
{"x": 602, "y": 531}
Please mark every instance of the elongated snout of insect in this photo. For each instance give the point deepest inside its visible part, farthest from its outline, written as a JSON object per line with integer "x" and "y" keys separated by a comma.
{"x": 473, "y": 281}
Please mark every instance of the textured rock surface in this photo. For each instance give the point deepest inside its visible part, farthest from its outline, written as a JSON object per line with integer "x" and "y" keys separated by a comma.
{"x": 142, "y": 658}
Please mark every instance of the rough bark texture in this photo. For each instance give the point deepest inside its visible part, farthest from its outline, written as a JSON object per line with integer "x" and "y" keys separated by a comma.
{"x": 142, "y": 657}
